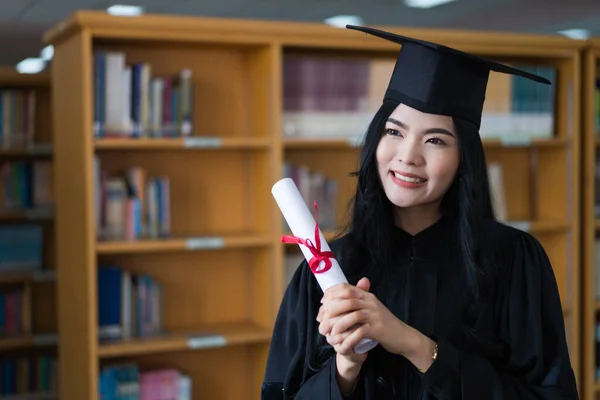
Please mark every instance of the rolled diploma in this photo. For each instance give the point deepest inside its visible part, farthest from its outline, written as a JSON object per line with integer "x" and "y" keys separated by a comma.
{"x": 302, "y": 224}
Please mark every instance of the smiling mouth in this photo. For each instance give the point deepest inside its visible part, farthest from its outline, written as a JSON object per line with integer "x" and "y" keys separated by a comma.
{"x": 409, "y": 179}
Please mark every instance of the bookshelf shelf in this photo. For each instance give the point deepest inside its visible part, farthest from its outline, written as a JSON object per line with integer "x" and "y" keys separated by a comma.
{"x": 189, "y": 244}
{"x": 11, "y": 78}
{"x": 209, "y": 337}
{"x": 38, "y": 213}
{"x": 541, "y": 226}
{"x": 27, "y": 342}
{"x": 35, "y": 396}
{"x": 533, "y": 143}
{"x": 27, "y": 152}
{"x": 195, "y": 142}
{"x": 317, "y": 143}
{"x": 18, "y": 277}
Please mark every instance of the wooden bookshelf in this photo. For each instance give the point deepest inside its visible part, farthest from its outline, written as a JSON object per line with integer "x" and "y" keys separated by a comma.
{"x": 217, "y": 267}
{"x": 590, "y": 220}
{"x": 26, "y": 142}
{"x": 221, "y": 294}
{"x": 40, "y": 284}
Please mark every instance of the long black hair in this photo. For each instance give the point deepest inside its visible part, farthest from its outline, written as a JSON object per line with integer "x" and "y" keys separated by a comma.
{"x": 371, "y": 221}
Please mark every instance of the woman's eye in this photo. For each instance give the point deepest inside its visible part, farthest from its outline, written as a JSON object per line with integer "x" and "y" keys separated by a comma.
{"x": 394, "y": 132}
{"x": 436, "y": 141}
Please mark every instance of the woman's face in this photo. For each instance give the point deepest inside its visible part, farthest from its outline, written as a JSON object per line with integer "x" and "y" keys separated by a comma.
{"x": 417, "y": 157}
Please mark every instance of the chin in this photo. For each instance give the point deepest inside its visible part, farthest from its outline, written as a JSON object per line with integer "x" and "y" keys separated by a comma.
{"x": 404, "y": 200}
{"x": 406, "y": 203}
{"x": 410, "y": 200}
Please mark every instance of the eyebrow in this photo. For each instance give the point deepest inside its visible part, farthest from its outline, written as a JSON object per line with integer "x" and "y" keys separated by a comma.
{"x": 428, "y": 131}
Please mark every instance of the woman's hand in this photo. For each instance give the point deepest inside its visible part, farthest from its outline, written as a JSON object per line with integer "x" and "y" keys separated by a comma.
{"x": 350, "y": 313}
{"x": 347, "y": 361}
{"x": 327, "y": 319}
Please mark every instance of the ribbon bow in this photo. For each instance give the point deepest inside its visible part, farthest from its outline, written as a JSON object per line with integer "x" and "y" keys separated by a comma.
{"x": 315, "y": 249}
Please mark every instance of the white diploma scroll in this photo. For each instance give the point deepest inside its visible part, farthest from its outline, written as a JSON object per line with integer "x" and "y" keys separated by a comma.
{"x": 303, "y": 226}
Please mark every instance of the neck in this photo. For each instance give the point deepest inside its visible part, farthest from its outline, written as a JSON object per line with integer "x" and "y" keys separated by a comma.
{"x": 415, "y": 219}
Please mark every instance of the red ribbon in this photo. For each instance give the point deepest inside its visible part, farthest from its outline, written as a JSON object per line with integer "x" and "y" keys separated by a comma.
{"x": 318, "y": 254}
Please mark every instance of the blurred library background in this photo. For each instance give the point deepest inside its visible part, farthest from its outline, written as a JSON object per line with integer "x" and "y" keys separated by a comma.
{"x": 140, "y": 246}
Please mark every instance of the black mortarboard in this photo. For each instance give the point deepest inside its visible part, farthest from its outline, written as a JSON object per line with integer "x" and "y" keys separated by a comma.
{"x": 437, "y": 79}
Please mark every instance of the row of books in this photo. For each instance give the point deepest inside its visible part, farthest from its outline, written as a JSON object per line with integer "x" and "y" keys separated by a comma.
{"x": 129, "y": 305}
{"x": 21, "y": 247}
{"x": 28, "y": 377}
{"x": 331, "y": 97}
{"x": 131, "y": 101}
{"x": 315, "y": 186}
{"x": 14, "y": 312}
{"x": 17, "y": 117}
{"x": 313, "y": 83}
{"x": 129, "y": 382}
{"x": 131, "y": 206}
{"x": 26, "y": 185}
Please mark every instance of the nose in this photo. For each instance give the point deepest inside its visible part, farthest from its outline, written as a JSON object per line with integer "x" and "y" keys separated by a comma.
{"x": 409, "y": 151}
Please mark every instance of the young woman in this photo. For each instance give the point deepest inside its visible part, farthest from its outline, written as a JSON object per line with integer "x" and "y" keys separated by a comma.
{"x": 463, "y": 307}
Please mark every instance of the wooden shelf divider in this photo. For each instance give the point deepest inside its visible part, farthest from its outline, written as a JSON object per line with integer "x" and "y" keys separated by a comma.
{"x": 590, "y": 222}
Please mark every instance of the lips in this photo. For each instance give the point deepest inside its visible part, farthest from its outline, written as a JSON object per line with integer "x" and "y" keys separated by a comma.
{"x": 407, "y": 177}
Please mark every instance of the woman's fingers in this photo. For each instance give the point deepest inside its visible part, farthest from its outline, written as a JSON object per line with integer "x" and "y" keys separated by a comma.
{"x": 348, "y": 320}
{"x": 338, "y": 307}
{"x": 333, "y": 310}
{"x": 340, "y": 337}
{"x": 352, "y": 339}
{"x": 326, "y": 325}
{"x": 341, "y": 291}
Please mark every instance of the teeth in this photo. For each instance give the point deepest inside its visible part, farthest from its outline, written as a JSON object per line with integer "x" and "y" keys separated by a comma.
{"x": 407, "y": 179}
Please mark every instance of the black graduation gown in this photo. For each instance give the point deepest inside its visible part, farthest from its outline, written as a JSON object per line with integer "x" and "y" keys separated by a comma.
{"x": 514, "y": 347}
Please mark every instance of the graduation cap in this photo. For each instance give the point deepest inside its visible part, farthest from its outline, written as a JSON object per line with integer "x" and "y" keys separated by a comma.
{"x": 437, "y": 79}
